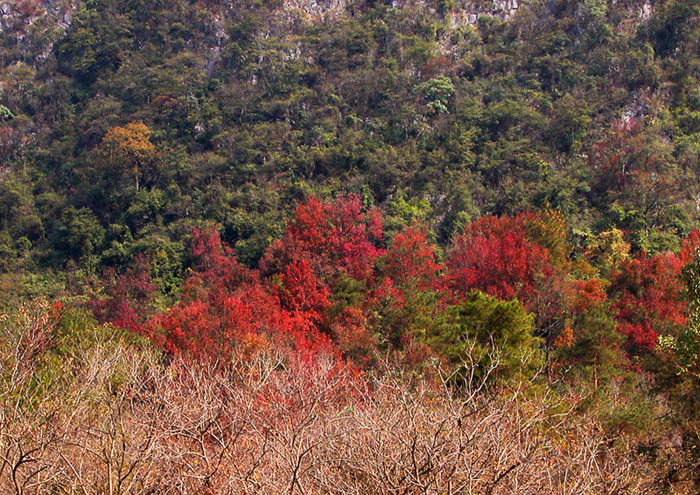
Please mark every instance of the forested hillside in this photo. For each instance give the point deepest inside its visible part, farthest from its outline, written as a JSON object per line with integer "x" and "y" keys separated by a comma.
{"x": 485, "y": 210}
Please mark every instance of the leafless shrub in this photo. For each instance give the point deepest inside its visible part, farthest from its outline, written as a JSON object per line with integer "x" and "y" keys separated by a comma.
{"x": 123, "y": 423}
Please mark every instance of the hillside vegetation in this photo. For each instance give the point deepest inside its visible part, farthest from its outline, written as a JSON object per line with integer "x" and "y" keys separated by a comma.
{"x": 362, "y": 246}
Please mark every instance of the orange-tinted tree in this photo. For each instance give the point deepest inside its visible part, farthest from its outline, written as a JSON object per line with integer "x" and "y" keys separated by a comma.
{"x": 411, "y": 260}
{"x": 129, "y": 149}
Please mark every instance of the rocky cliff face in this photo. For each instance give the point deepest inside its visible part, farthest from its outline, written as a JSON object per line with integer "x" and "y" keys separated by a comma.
{"x": 462, "y": 12}
{"x": 470, "y": 11}
{"x": 316, "y": 8}
{"x": 22, "y": 13}
{"x": 32, "y": 26}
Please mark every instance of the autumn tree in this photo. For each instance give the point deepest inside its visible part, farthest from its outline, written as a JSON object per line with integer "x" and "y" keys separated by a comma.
{"x": 326, "y": 264}
{"x": 302, "y": 293}
{"x": 647, "y": 296}
{"x": 407, "y": 300}
{"x": 684, "y": 348}
{"x": 500, "y": 257}
{"x": 127, "y": 297}
{"x": 227, "y": 310}
{"x": 129, "y": 149}
{"x": 214, "y": 265}
{"x": 411, "y": 260}
{"x": 338, "y": 236}
{"x": 495, "y": 256}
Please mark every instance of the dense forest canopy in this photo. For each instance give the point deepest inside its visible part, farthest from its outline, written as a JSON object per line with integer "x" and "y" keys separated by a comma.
{"x": 126, "y": 123}
{"x": 507, "y": 188}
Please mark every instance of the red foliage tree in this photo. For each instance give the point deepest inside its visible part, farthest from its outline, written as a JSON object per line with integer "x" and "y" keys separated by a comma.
{"x": 327, "y": 258}
{"x": 647, "y": 295}
{"x": 585, "y": 295}
{"x": 302, "y": 293}
{"x": 511, "y": 257}
{"x": 127, "y": 296}
{"x": 406, "y": 295}
{"x": 225, "y": 309}
{"x": 410, "y": 260}
{"x": 214, "y": 264}
{"x": 226, "y": 324}
{"x": 690, "y": 247}
{"x": 494, "y": 255}
{"x": 330, "y": 237}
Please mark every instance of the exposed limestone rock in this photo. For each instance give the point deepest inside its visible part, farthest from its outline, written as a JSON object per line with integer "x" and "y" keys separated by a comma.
{"x": 465, "y": 11}
{"x": 316, "y": 8}
{"x": 469, "y": 11}
{"x": 24, "y": 22}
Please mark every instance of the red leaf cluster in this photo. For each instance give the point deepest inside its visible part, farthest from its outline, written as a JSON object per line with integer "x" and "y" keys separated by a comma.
{"x": 226, "y": 308}
{"x": 647, "y": 294}
{"x": 410, "y": 261}
{"x": 330, "y": 237}
{"x": 126, "y": 297}
{"x": 328, "y": 286}
{"x": 495, "y": 255}
{"x": 586, "y": 294}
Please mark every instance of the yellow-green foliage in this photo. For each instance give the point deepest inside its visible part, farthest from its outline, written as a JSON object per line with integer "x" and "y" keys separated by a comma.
{"x": 484, "y": 336}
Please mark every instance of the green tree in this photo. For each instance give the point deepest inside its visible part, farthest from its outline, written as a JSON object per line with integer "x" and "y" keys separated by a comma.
{"x": 684, "y": 349}
{"x": 437, "y": 93}
{"x": 77, "y": 233}
{"x": 487, "y": 334}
